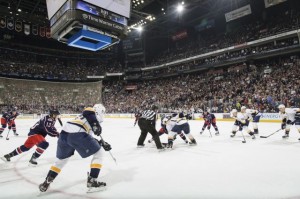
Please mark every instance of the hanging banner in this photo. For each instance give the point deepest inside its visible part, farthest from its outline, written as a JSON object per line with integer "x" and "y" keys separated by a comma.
{"x": 2, "y": 22}
{"x": 238, "y": 13}
{"x": 10, "y": 23}
{"x": 18, "y": 26}
{"x": 269, "y": 3}
{"x": 26, "y": 29}
{"x": 179, "y": 35}
{"x": 48, "y": 33}
{"x": 35, "y": 30}
{"x": 42, "y": 31}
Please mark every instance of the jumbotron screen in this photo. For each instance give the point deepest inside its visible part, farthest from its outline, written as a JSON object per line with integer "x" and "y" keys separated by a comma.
{"x": 53, "y": 6}
{"x": 121, "y": 7}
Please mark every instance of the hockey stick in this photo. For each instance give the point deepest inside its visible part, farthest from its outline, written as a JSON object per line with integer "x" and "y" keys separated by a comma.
{"x": 270, "y": 134}
{"x": 7, "y": 138}
{"x": 209, "y": 132}
{"x": 244, "y": 141}
{"x": 109, "y": 151}
{"x": 60, "y": 122}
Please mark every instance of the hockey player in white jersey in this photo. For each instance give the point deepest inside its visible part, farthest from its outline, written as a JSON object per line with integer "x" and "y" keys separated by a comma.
{"x": 255, "y": 117}
{"x": 167, "y": 123}
{"x": 242, "y": 121}
{"x": 181, "y": 125}
{"x": 289, "y": 116}
{"x": 76, "y": 135}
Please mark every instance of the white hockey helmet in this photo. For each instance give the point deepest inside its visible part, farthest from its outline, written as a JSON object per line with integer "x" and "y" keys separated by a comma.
{"x": 99, "y": 109}
{"x": 243, "y": 108}
{"x": 234, "y": 111}
{"x": 281, "y": 106}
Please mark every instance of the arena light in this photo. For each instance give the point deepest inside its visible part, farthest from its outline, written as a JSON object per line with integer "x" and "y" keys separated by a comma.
{"x": 180, "y": 8}
{"x": 140, "y": 28}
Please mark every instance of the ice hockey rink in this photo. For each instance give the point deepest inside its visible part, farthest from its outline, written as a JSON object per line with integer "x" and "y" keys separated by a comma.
{"x": 218, "y": 167}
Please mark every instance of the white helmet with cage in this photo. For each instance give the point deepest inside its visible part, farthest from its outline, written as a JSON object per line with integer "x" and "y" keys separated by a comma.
{"x": 100, "y": 111}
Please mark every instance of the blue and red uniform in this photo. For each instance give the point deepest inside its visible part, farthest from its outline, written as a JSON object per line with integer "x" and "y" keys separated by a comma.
{"x": 209, "y": 119}
{"x": 36, "y": 136}
{"x": 8, "y": 119}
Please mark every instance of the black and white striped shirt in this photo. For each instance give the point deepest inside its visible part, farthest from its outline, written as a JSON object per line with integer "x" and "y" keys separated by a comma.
{"x": 149, "y": 115}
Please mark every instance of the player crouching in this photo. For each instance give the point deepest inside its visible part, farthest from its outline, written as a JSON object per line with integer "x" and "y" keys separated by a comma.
{"x": 76, "y": 135}
{"x": 289, "y": 116}
{"x": 241, "y": 121}
{"x": 209, "y": 119}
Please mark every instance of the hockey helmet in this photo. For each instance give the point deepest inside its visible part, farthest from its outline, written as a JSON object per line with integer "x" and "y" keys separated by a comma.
{"x": 54, "y": 113}
{"x": 99, "y": 109}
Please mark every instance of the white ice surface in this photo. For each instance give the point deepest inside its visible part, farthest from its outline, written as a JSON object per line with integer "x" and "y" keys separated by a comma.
{"x": 218, "y": 167}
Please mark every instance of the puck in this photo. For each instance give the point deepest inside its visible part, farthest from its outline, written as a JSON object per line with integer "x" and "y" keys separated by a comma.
{"x": 244, "y": 141}
{"x": 7, "y": 138}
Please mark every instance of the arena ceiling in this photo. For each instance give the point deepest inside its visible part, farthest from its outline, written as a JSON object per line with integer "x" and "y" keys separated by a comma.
{"x": 164, "y": 11}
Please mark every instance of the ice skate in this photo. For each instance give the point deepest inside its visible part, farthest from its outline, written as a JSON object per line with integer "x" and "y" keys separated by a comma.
{"x": 93, "y": 185}
{"x": 32, "y": 161}
{"x": 45, "y": 185}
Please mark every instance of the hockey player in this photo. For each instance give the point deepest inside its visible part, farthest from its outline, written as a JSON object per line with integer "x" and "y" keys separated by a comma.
{"x": 36, "y": 136}
{"x": 181, "y": 125}
{"x": 209, "y": 119}
{"x": 255, "y": 115}
{"x": 147, "y": 124}
{"x": 76, "y": 135}
{"x": 241, "y": 120}
{"x": 289, "y": 116}
{"x": 8, "y": 119}
{"x": 167, "y": 123}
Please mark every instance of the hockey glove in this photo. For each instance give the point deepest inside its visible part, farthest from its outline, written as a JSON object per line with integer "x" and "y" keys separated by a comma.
{"x": 283, "y": 125}
{"x": 97, "y": 129}
{"x": 106, "y": 146}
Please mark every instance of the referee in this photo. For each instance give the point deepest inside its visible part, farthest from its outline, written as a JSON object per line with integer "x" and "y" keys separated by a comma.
{"x": 147, "y": 124}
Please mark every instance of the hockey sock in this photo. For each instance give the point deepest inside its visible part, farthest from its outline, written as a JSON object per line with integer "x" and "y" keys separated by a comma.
{"x": 40, "y": 149}
{"x": 256, "y": 131}
{"x": 53, "y": 172}
{"x": 95, "y": 170}
{"x": 182, "y": 136}
{"x": 19, "y": 150}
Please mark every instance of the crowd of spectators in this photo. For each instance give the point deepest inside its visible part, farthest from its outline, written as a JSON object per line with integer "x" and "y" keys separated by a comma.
{"x": 282, "y": 22}
{"x": 40, "y": 96}
{"x": 19, "y": 63}
{"x": 262, "y": 85}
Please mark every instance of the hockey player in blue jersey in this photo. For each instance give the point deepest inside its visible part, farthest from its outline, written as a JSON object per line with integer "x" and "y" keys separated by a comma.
{"x": 36, "y": 136}
{"x": 76, "y": 135}
{"x": 8, "y": 119}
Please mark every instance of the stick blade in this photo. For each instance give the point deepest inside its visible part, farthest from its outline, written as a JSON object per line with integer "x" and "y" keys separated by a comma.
{"x": 263, "y": 136}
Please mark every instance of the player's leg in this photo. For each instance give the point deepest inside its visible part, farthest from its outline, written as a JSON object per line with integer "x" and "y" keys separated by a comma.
{"x": 3, "y": 126}
{"x": 96, "y": 166}
{"x": 287, "y": 129}
{"x": 234, "y": 129}
{"x": 214, "y": 124}
{"x": 41, "y": 147}
{"x": 52, "y": 173}
{"x": 29, "y": 143}
{"x": 203, "y": 127}
{"x": 186, "y": 130}
{"x": 13, "y": 125}
{"x": 254, "y": 124}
